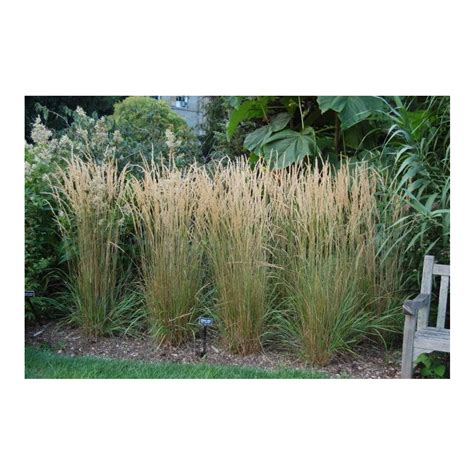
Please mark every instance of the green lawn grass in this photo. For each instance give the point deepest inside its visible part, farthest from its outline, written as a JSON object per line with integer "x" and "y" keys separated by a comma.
{"x": 44, "y": 364}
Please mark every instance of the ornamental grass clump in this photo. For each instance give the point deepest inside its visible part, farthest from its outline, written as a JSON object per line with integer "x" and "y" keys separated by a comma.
{"x": 164, "y": 203}
{"x": 233, "y": 220}
{"x": 325, "y": 248}
{"x": 90, "y": 197}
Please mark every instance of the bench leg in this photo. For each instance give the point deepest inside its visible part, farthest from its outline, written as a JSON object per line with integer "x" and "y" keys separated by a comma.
{"x": 408, "y": 343}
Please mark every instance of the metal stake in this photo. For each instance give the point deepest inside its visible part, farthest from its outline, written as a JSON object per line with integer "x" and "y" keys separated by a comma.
{"x": 204, "y": 341}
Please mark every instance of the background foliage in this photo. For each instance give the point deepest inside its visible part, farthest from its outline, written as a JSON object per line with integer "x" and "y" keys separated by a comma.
{"x": 149, "y": 127}
{"x": 56, "y": 110}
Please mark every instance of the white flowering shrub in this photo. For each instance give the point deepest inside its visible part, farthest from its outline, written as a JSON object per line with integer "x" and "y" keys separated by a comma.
{"x": 42, "y": 243}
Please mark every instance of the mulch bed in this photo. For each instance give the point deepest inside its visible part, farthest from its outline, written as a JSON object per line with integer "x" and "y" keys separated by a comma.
{"x": 370, "y": 363}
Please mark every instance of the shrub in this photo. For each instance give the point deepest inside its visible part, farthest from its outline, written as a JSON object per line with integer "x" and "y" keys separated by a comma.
{"x": 43, "y": 252}
{"x": 171, "y": 256}
{"x": 141, "y": 127}
{"x": 93, "y": 139}
{"x": 150, "y": 128}
{"x": 56, "y": 110}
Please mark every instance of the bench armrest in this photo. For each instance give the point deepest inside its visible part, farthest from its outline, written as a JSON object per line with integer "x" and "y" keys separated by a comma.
{"x": 411, "y": 307}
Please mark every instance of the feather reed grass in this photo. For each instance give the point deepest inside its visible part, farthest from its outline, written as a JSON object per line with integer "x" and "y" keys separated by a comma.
{"x": 90, "y": 197}
{"x": 325, "y": 245}
{"x": 294, "y": 254}
{"x": 163, "y": 209}
{"x": 233, "y": 220}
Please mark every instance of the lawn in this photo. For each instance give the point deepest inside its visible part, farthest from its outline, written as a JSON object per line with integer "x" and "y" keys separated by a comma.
{"x": 44, "y": 364}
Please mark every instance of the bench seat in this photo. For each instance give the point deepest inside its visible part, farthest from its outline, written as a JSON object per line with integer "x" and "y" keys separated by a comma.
{"x": 432, "y": 339}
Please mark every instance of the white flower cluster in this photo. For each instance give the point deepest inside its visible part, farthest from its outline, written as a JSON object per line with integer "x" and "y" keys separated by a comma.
{"x": 172, "y": 143}
{"x": 101, "y": 135}
{"x": 117, "y": 137}
{"x": 40, "y": 134}
{"x": 80, "y": 112}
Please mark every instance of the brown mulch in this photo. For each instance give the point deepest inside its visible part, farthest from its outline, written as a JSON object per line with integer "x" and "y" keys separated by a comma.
{"x": 370, "y": 363}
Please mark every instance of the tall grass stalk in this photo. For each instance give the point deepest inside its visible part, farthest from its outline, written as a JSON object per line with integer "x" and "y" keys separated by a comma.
{"x": 326, "y": 247}
{"x": 165, "y": 200}
{"x": 234, "y": 221}
{"x": 90, "y": 197}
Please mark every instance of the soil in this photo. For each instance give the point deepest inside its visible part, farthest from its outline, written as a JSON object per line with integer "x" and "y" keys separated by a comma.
{"x": 369, "y": 363}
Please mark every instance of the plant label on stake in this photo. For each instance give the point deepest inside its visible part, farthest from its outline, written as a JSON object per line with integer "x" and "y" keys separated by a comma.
{"x": 205, "y": 321}
{"x": 31, "y": 294}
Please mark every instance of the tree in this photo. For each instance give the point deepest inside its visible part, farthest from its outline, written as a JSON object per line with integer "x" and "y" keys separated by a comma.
{"x": 154, "y": 126}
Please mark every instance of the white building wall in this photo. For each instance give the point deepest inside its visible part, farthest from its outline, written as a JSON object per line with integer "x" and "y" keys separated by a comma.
{"x": 188, "y": 107}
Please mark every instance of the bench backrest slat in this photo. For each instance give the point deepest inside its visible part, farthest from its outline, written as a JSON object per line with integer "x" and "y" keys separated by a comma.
{"x": 443, "y": 302}
{"x": 426, "y": 284}
{"x": 442, "y": 270}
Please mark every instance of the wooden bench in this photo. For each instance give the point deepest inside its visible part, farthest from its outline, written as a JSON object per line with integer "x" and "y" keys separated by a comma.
{"x": 418, "y": 337}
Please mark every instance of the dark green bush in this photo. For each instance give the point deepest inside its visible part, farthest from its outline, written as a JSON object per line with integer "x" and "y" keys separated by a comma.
{"x": 42, "y": 242}
{"x": 150, "y": 127}
{"x": 215, "y": 143}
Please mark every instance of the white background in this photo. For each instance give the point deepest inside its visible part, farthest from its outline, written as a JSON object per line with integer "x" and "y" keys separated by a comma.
{"x": 235, "y": 48}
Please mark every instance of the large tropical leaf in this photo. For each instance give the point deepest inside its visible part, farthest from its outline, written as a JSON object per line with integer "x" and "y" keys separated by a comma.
{"x": 288, "y": 146}
{"x": 351, "y": 109}
{"x": 279, "y": 122}
{"x": 253, "y": 108}
{"x": 255, "y": 140}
